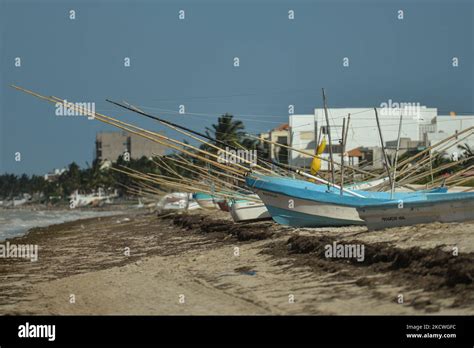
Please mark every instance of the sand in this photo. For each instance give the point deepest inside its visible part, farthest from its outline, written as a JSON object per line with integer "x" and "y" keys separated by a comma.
{"x": 203, "y": 264}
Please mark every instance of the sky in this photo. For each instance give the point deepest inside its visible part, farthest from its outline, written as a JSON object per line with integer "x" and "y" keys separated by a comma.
{"x": 190, "y": 62}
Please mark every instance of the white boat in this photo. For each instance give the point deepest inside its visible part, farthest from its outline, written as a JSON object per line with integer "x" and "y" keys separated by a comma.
{"x": 177, "y": 201}
{"x": 244, "y": 211}
{"x": 18, "y": 202}
{"x": 177, "y": 205}
{"x": 78, "y": 200}
{"x": 15, "y": 202}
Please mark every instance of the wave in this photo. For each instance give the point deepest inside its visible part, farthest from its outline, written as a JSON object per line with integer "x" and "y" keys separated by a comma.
{"x": 14, "y": 223}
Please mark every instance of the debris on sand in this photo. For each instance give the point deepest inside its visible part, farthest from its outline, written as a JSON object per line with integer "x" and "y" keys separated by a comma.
{"x": 429, "y": 269}
{"x": 206, "y": 224}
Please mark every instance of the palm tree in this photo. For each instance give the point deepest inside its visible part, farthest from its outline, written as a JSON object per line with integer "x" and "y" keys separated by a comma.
{"x": 466, "y": 150}
{"x": 70, "y": 180}
{"x": 231, "y": 133}
{"x": 227, "y": 130}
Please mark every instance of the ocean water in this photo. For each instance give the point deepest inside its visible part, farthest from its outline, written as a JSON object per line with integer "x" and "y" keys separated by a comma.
{"x": 14, "y": 223}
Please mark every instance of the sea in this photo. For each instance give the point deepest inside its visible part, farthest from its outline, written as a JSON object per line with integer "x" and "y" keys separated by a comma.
{"x": 16, "y": 222}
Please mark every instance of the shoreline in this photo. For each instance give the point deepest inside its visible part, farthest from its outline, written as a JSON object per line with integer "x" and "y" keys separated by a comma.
{"x": 18, "y": 222}
{"x": 188, "y": 264}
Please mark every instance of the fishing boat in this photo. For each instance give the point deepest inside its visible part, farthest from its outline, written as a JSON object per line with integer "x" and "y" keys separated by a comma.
{"x": 177, "y": 201}
{"x": 280, "y": 198}
{"x": 442, "y": 207}
{"x": 181, "y": 205}
{"x": 78, "y": 200}
{"x": 245, "y": 210}
{"x": 300, "y": 203}
{"x": 22, "y": 200}
{"x": 289, "y": 201}
{"x": 206, "y": 200}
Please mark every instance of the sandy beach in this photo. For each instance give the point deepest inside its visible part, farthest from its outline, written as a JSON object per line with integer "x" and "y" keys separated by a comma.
{"x": 203, "y": 264}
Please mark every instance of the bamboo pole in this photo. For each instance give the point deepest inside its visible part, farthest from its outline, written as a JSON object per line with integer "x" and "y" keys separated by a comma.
{"x": 396, "y": 157}
{"x": 171, "y": 143}
{"x": 469, "y": 129}
{"x": 188, "y": 163}
{"x": 383, "y": 147}
{"x": 409, "y": 169}
{"x": 182, "y": 186}
{"x": 425, "y": 173}
{"x": 343, "y": 147}
{"x": 207, "y": 175}
{"x": 328, "y": 128}
{"x": 154, "y": 134}
{"x": 170, "y": 170}
{"x": 310, "y": 154}
{"x": 427, "y": 159}
{"x": 167, "y": 124}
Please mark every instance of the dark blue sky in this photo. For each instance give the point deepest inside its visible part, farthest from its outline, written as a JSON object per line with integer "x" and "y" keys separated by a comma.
{"x": 190, "y": 62}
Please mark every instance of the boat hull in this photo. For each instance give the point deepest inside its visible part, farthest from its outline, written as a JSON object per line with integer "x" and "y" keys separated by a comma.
{"x": 207, "y": 204}
{"x": 301, "y": 203}
{"x": 205, "y": 200}
{"x": 249, "y": 211}
{"x": 382, "y": 217}
{"x": 177, "y": 201}
{"x": 298, "y": 212}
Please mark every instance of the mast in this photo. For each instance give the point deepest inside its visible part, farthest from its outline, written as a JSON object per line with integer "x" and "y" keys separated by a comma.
{"x": 342, "y": 152}
{"x": 345, "y": 131}
{"x": 316, "y": 138}
{"x": 328, "y": 130}
{"x": 383, "y": 148}
{"x": 396, "y": 156}
{"x": 290, "y": 140}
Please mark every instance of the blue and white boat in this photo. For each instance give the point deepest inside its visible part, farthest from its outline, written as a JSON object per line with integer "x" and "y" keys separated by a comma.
{"x": 206, "y": 200}
{"x": 301, "y": 203}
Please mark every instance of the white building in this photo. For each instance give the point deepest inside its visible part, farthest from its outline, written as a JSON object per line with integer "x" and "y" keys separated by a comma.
{"x": 54, "y": 175}
{"x": 307, "y": 130}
